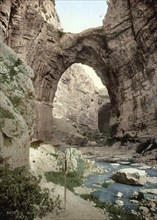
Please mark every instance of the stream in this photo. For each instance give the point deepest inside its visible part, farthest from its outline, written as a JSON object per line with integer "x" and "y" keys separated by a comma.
{"x": 109, "y": 194}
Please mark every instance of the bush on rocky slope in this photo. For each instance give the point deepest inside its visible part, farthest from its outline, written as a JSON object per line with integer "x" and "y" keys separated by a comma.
{"x": 21, "y": 197}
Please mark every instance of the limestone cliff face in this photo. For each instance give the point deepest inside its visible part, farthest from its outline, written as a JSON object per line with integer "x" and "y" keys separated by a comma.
{"x": 16, "y": 108}
{"x": 122, "y": 52}
{"x": 76, "y": 99}
{"x": 26, "y": 31}
{"x": 130, "y": 29}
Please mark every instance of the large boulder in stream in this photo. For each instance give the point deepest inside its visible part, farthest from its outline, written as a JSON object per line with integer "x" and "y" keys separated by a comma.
{"x": 130, "y": 176}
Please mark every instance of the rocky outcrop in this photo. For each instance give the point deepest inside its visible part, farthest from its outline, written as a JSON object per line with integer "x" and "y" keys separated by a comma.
{"x": 122, "y": 52}
{"x": 56, "y": 160}
{"x": 76, "y": 100}
{"x": 146, "y": 146}
{"x": 16, "y": 108}
{"x": 147, "y": 201}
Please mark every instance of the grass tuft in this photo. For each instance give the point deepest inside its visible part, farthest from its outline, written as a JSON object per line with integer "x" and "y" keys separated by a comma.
{"x": 73, "y": 179}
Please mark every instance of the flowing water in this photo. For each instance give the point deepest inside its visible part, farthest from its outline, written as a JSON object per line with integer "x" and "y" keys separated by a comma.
{"x": 109, "y": 194}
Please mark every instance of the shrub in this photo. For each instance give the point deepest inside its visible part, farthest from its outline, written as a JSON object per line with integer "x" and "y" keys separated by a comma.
{"x": 21, "y": 197}
{"x": 73, "y": 179}
{"x": 105, "y": 184}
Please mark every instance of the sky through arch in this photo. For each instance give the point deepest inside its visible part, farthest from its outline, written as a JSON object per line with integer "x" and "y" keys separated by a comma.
{"x": 78, "y": 15}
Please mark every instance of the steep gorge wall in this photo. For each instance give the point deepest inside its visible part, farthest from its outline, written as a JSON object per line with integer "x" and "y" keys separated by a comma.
{"x": 104, "y": 112}
{"x": 132, "y": 42}
{"x": 16, "y": 108}
{"x": 76, "y": 99}
{"x": 31, "y": 36}
{"x": 122, "y": 52}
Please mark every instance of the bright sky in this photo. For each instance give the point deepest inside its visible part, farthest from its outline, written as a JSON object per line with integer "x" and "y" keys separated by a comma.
{"x": 93, "y": 75}
{"x": 78, "y": 15}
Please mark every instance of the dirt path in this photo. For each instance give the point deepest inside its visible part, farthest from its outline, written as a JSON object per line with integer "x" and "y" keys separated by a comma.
{"x": 76, "y": 207}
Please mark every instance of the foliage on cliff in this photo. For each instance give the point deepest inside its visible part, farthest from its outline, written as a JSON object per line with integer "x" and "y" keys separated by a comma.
{"x": 53, "y": 1}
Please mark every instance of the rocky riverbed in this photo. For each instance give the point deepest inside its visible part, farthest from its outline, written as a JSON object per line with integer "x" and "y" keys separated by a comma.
{"x": 118, "y": 153}
{"x": 140, "y": 200}
{"x": 139, "y": 170}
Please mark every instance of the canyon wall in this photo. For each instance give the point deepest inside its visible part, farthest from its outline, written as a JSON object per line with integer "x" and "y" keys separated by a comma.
{"x": 130, "y": 30}
{"x": 76, "y": 100}
{"x": 104, "y": 112}
{"x": 122, "y": 52}
{"x": 16, "y": 108}
{"x": 30, "y": 33}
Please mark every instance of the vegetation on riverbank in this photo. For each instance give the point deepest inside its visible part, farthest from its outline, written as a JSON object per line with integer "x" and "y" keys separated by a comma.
{"x": 105, "y": 184}
{"x": 114, "y": 212}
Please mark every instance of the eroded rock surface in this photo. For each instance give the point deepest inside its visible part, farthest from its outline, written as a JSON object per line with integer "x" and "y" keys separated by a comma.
{"x": 130, "y": 176}
{"x": 76, "y": 100}
{"x": 56, "y": 160}
{"x": 131, "y": 35}
{"x": 16, "y": 108}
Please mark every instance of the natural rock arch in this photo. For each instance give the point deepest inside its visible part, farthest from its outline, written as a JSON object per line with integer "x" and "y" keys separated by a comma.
{"x": 122, "y": 52}
{"x": 75, "y": 106}
{"x": 71, "y": 48}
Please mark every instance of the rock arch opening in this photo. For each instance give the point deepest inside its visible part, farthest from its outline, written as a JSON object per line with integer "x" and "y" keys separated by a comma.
{"x": 122, "y": 52}
{"x": 88, "y": 48}
{"x": 80, "y": 105}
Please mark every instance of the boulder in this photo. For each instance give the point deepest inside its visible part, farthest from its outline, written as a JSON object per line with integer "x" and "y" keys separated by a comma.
{"x": 130, "y": 176}
{"x": 119, "y": 203}
{"x": 91, "y": 144}
{"x": 148, "y": 145}
{"x": 138, "y": 196}
{"x": 134, "y": 201}
{"x": 144, "y": 209}
{"x": 151, "y": 191}
{"x": 119, "y": 194}
{"x": 134, "y": 195}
